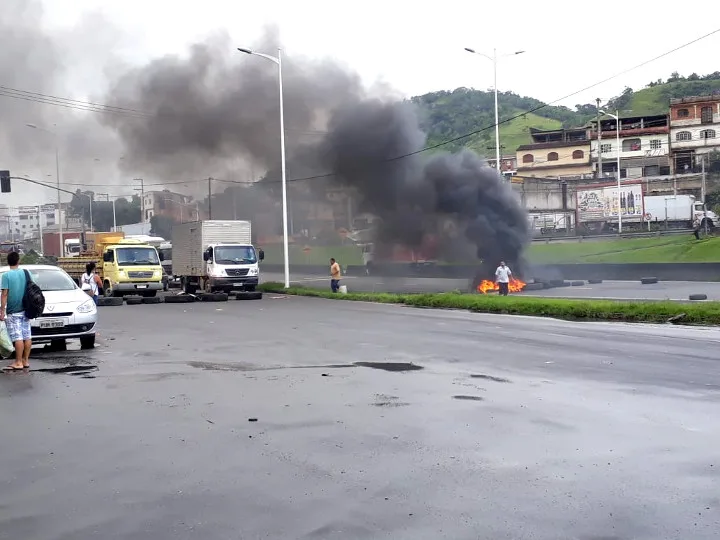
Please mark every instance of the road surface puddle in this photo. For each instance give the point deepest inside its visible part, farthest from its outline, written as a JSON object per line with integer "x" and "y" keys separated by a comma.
{"x": 390, "y": 366}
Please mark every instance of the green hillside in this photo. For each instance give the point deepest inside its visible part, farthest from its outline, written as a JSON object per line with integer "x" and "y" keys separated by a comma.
{"x": 446, "y": 115}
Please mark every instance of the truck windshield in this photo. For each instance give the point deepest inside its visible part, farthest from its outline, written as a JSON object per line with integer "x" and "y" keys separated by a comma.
{"x": 166, "y": 253}
{"x": 235, "y": 255}
{"x": 138, "y": 256}
{"x": 73, "y": 248}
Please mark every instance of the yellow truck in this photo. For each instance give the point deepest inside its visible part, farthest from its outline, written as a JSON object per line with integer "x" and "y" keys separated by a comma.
{"x": 125, "y": 266}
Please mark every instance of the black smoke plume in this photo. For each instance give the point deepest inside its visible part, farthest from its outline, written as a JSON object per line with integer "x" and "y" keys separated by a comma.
{"x": 215, "y": 111}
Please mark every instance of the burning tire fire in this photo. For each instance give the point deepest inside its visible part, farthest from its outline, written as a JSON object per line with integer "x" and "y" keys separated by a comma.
{"x": 486, "y": 286}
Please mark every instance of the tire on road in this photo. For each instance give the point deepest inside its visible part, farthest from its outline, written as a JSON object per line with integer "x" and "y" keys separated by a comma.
{"x": 110, "y": 301}
{"x": 214, "y": 297}
{"x": 565, "y": 284}
{"x": 179, "y": 299}
{"x": 534, "y": 287}
{"x": 577, "y": 283}
{"x": 556, "y": 283}
{"x": 698, "y": 297}
{"x": 152, "y": 300}
{"x": 250, "y": 295}
{"x": 133, "y": 300}
{"x": 595, "y": 281}
{"x": 648, "y": 280}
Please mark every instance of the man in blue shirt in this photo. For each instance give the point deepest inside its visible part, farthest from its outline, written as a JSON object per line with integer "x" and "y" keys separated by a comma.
{"x": 13, "y": 313}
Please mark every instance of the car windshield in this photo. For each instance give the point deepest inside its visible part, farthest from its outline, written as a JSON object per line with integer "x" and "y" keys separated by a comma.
{"x": 138, "y": 256}
{"x": 235, "y": 255}
{"x": 49, "y": 279}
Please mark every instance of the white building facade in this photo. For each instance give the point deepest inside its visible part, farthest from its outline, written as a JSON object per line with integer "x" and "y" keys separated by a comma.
{"x": 694, "y": 131}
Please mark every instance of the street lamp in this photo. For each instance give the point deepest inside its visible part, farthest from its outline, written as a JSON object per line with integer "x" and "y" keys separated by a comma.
{"x": 278, "y": 61}
{"x": 617, "y": 133}
{"x": 57, "y": 176}
{"x": 494, "y": 59}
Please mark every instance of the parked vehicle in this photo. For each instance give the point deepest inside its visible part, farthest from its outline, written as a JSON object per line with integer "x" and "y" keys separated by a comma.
{"x": 69, "y": 312}
{"x": 125, "y": 266}
{"x": 215, "y": 255}
{"x": 678, "y": 211}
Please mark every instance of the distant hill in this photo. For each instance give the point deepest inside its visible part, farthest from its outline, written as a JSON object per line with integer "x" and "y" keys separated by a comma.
{"x": 446, "y": 115}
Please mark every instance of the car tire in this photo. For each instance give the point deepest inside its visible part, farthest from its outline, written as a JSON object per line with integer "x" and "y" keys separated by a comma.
{"x": 595, "y": 281}
{"x": 648, "y": 280}
{"x": 110, "y": 301}
{"x": 133, "y": 300}
{"x": 577, "y": 283}
{"x": 87, "y": 342}
{"x": 179, "y": 299}
{"x": 698, "y": 297}
{"x": 253, "y": 295}
{"x": 152, "y": 300}
{"x": 213, "y": 297}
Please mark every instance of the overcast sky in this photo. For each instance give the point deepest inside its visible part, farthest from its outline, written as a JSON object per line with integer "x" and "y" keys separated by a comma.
{"x": 414, "y": 47}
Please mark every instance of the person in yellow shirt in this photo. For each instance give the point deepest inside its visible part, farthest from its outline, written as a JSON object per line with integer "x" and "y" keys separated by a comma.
{"x": 334, "y": 275}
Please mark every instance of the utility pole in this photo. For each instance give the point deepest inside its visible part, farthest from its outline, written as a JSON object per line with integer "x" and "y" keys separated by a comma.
{"x": 210, "y": 198}
{"x": 40, "y": 230}
{"x": 142, "y": 199}
{"x": 599, "y": 141}
{"x": 705, "y": 221}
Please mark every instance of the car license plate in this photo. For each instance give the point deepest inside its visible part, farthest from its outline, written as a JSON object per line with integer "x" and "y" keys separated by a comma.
{"x": 141, "y": 286}
{"x": 237, "y": 284}
{"x": 52, "y": 323}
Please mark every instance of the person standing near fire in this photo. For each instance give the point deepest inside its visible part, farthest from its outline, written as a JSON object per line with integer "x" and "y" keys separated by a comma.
{"x": 503, "y": 274}
{"x": 334, "y": 275}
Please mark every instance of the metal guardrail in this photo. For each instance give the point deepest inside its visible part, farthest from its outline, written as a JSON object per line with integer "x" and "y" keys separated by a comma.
{"x": 591, "y": 237}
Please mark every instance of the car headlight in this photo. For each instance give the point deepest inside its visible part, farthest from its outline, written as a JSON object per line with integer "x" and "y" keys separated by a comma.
{"x": 156, "y": 273}
{"x": 253, "y": 272}
{"x": 86, "y": 307}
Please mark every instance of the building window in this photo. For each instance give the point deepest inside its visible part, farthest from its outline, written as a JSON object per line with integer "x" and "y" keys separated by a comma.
{"x": 706, "y": 115}
{"x": 50, "y": 216}
{"x": 606, "y": 148}
{"x": 683, "y": 113}
{"x": 631, "y": 145}
{"x": 683, "y": 136}
{"x": 578, "y": 154}
{"x": 553, "y": 156}
{"x": 656, "y": 144}
{"x": 707, "y": 134}
{"x": 528, "y": 158}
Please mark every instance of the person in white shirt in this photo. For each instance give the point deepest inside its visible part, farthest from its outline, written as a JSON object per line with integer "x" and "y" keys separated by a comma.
{"x": 502, "y": 277}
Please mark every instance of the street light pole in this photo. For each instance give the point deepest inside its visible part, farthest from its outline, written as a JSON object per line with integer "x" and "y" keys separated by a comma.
{"x": 57, "y": 176}
{"x": 278, "y": 61}
{"x": 494, "y": 59}
{"x": 619, "y": 185}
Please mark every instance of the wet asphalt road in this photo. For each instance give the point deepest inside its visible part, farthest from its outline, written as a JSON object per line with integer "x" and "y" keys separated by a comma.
{"x": 611, "y": 290}
{"x": 514, "y": 428}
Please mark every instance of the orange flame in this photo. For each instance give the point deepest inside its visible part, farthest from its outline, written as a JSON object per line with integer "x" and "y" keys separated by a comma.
{"x": 486, "y": 286}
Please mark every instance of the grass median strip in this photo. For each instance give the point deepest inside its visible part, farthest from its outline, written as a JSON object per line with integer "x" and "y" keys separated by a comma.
{"x": 707, "y": 313}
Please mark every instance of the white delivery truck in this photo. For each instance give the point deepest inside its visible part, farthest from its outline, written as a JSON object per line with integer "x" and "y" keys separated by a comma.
{"x": 215, "y": 255}
{"x": 678, "y": 211}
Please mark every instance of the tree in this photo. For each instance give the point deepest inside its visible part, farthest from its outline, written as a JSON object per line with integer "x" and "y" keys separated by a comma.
{"x": 126, "y": 212}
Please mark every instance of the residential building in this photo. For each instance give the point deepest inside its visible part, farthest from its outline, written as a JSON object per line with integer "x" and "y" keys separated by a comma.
{"x": 644, "y": 146}
{"x": 694, "y": 131}
{"x": 508, "y": 164}
{"x": 562, "y": 153}
{"x": 26, "y": 222}
{"x": 175, "y": 206}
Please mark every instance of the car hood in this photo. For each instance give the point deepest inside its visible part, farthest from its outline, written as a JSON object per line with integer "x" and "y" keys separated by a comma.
{"x": 57, "y": 301}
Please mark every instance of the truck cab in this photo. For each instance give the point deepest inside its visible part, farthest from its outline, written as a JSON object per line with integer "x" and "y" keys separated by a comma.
{"x": 231, "y": 267}
{"x": 705, "y": 217}
{"x": 131, "y": 267}
{"x": 73, "y": 247}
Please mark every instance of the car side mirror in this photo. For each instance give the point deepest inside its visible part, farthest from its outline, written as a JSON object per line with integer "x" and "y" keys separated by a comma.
{"x": 261, "y": 255}
{"x": 206, "y": 256}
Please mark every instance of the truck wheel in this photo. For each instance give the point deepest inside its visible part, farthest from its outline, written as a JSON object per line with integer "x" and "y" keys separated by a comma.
{"x": 188, "y": 287}
{"x": 108, "y": 290}
{"x": 87, "y": 342}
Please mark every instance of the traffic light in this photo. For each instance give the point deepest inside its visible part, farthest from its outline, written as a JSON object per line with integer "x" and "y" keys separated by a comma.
{"x": 5, "y": 181}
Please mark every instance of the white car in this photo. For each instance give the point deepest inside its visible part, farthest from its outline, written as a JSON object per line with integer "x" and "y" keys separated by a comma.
{"x": 69, "y": 312}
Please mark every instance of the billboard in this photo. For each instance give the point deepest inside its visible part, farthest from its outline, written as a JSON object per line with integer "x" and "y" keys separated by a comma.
{"x": 601, "y": 203}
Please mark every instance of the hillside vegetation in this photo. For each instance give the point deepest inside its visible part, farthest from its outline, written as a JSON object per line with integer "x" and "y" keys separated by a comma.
{"x": 447, "y": 115}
